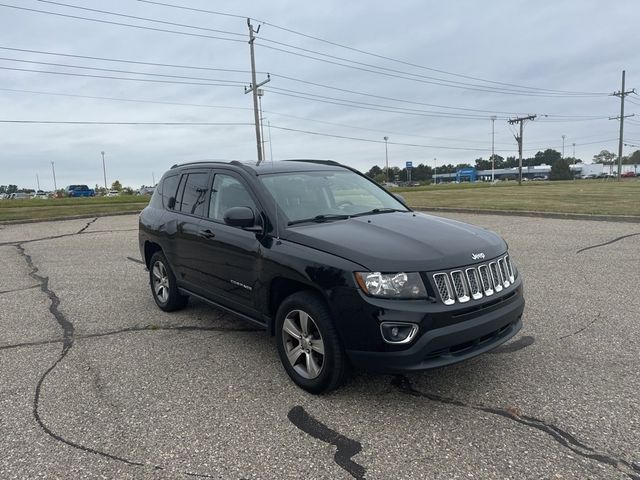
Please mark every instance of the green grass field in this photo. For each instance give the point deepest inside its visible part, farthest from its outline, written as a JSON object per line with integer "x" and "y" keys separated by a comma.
{"x": 596, "y": 197}
{"x": 36, "y": 209}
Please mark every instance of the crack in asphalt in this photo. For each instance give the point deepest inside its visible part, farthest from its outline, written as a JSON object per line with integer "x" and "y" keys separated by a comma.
{"x": 68, "y": 339}
{"x": 346, "y": 448}
{"x": 519, "y": 344}
{"x": 145, "y": 328}
{"x": 580, "y": 330}
{"x": 403, "y": 384}
{"x": 20, "y": 289}
{"x": 87, "y": 225}
{"x": 608, "y": 243}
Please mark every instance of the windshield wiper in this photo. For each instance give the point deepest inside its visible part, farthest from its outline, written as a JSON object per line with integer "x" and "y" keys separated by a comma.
{"x": 322, "y": 218}
{"x": 378, "y": 210}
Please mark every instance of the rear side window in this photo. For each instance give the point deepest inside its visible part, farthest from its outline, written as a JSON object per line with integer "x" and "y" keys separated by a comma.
{"x": 168, "y": 191}
{"x": 195, "y": 194}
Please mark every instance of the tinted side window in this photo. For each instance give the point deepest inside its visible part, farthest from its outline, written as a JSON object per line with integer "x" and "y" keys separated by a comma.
{"x": 195, "y": 193}
{"x": 168, "y": 191}
{"x": 228, "y": 192}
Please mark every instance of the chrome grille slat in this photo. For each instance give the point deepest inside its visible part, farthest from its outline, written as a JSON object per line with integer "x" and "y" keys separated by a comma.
{"x": 474, "y": 282}
{"x": 507, "y": 260}
{"x": 444, "y": 288}
{"x": 503, "y": 272}
{"x": 485, "y": 277}
{"x": 459, "y": 286}
{"x": 495, "y": 276}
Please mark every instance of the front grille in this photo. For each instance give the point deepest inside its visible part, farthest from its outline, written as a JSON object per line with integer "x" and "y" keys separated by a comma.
{"x": 474, "y": 282}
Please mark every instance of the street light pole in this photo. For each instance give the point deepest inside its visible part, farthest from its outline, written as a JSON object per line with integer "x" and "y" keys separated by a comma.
{"x": 386, "y": 156}
{"x": 435, "y": 172}
{"x": 563, "y": 137}
{"x": 574, "y": 152}
{"x": 493, "y": 137}
{"x": 104, "y": 172}
{"x": 53, "y": 169}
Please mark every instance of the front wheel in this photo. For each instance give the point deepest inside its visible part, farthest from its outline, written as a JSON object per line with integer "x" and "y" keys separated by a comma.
{"x": 308, "y": 343}
{"x": 164, "y": 287}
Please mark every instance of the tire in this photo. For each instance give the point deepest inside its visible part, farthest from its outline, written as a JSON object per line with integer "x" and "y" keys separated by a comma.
{"x": 164, "y": 287}
{"x": 308, "y": 343}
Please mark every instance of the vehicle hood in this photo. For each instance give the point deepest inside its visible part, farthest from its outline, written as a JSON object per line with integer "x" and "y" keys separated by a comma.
{"x": 393, "y": 242}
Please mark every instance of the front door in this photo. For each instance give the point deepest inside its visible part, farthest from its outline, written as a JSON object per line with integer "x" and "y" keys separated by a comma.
{"x": 230, "y": 256}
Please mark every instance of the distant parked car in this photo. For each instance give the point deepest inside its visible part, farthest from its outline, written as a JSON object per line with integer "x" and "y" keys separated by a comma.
{"x": 19, "y": 196}
{"x": 113, "y": 193}
{"x": 145, "y": 191}
{"x": 80, "y": 191}
{"x": 40, "y": 194}
{"x": 628, "y": 174}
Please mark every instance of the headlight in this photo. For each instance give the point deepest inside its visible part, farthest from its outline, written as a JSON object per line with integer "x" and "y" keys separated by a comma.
{"x": 391, "y": 285}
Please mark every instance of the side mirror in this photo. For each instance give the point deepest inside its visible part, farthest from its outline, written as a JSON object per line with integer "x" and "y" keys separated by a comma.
{"x": 242, "y": 217}
{"x": 400, "y": 197}
{"x": 172, "y": 203}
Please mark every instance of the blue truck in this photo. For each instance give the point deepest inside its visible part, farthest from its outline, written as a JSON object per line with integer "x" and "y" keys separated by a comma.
{"x": 80, "y": 191}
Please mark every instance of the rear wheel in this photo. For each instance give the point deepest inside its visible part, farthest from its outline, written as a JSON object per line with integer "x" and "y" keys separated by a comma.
{"x": 164, "y": 287}
{"x": 308, "y": 343}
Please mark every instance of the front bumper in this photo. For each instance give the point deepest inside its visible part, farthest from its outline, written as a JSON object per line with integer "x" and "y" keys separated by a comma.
{"x": 452, "y": 343}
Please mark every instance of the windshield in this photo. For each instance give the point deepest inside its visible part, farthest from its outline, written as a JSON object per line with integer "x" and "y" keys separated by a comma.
{"x": 327, "y": 195}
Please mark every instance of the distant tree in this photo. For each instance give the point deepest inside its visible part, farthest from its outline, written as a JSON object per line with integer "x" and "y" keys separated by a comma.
{"x": 548, "y": 157}
{"x": 373, "y": 171}
{"x": 127, "y": 191}
{"x": 560, "y": 170}
{"x": 3, "y": 189}
{"x": 12, "y": 188}
{"x": 632, "y": 159}
{"x": 605, "y": 157}
{"x": 116, "y": 185}
{"x": 380, "y": 178}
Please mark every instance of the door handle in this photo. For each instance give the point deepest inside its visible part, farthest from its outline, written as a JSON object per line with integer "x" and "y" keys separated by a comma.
{"x": 207, "y": 233}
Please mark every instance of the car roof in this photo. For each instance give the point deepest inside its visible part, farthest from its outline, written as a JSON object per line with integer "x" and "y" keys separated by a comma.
{"x": 280, "y": 166}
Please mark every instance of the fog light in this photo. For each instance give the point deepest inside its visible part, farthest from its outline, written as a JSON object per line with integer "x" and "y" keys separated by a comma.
{"x": 394, "y": 332}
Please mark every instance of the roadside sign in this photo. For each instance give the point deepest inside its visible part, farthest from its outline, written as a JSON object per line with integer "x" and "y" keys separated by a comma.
{"x": 409, "y": 165}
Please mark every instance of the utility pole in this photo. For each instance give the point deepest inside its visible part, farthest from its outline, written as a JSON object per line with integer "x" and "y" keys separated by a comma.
{"x": 521, "y": 121}
{"x": 260, "y": 94}
{"x": 493, "y": 145}
{"x": 574, "y": 152}
{"x": 622, "y": 93}
{"x": 253, "y": 88}
{"x": 153, "y": 177}
{"x": 53, "y": 169}
{"x": 563, "y": 137}
{"x": 38, "y": 182}
{"x": 104, "y": 172}
{"x": 386, "y": 157}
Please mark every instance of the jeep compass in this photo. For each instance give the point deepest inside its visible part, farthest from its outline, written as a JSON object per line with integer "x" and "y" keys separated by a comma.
{"x": 340, "y": 271}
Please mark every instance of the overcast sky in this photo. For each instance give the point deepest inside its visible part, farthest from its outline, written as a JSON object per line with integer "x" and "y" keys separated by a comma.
{"x": 545, "y": 55}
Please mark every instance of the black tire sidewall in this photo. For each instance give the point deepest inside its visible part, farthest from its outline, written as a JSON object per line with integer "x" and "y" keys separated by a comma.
{"x": 334, "y": 363}
{"x": 175, "y": 300}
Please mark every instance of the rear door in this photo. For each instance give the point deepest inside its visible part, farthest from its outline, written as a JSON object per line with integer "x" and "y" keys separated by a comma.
{"x": 190, "y": 205}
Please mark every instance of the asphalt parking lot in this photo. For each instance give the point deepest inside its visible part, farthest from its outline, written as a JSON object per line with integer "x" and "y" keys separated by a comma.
{"x": 97, "y": 382}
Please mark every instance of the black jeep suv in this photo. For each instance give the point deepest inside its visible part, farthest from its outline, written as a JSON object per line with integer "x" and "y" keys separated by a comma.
{"x": 337, "y": 268}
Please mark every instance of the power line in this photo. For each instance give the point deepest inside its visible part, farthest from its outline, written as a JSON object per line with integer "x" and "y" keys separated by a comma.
{"x": 120, "y": 60}
{"x": 425, "y": 79}
{"x": 123, "y": 71}
{"x": 285, "y": 77}
{"x": 271, "y": 112}
{"x": 419, "y": 80}
{"x": 94, "y": 10}
{"x": 71, "y": 122}
{"x": 110, "y": 22}
{"x": 371, "y": 106}
{"x": 119, "y": 78}
{"x": 383, "y": 57}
